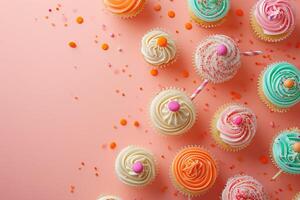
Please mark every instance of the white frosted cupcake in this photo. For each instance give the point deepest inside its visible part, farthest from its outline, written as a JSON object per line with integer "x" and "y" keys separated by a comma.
{"x": 172, "y": 112}
{"x": 158, "y": 48}
{"x": 243, "y": 187}
{"x": 233, "y": 127}
{"x": 109, "y": 197}
{"x": 135, "y": 166}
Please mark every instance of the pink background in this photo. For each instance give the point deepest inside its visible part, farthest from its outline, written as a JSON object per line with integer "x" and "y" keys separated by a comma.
{"x": 61, "y": 106}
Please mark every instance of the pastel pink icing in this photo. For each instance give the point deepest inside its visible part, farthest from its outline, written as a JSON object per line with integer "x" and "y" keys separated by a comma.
{"x": 243, "y": 188}
{"x": 274, "y": 16}
{"x": 217, "y": 58}
{"x": 237, "y": 125}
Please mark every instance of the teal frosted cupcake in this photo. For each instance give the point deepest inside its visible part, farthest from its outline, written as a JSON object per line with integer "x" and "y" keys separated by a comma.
{"x": 208, "y": 13}
{"x": 286, "y": 152}
{"x": 279, "y": 86}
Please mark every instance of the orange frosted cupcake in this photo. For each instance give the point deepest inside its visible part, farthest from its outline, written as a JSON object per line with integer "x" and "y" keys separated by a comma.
{"x": 124, "y": 8}
{"x": 193, "y": 171}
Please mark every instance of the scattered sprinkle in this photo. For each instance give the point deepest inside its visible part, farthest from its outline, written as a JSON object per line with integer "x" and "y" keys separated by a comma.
{"x": 154, "y": 72}
{"x": 72, "y": 44}
{"x": 239, "y": 12}
{"x": 79, "y": 20}
{"x": 157, "y": 7}
{"x": 171, "y": 14}
{"x": 136, "y": 123}
{"x": 123, "y": 122}
{"x": 263, "y": 159}
{"x": 185, "y": 73}
{"x": 105, "y": 46}
{"x": 188, "y": 26}
{"x": 112, "y": 145}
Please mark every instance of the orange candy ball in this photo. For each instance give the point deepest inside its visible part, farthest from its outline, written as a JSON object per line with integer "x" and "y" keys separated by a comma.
{"x": 72, "y": 45}
{"x": 296, "y": 147}
{"x": 104, "y": 46}
{"x": 80, "y": 20}
{"x": 188, "y": 26}
{"x": 123, "y": 122}
{"x": 289, "y": 83}
{"x": 154, "y": 72}
{"x": 171, "y": 14}
{"x": 162, "y": 41}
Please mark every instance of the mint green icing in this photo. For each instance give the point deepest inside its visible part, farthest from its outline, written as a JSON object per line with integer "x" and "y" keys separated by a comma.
{"x": 284, "y": 156}
{"x": 209, "y": 10}
{"x": 274, "y": 89}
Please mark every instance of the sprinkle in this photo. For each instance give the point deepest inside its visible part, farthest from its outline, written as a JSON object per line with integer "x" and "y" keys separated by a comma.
{"x": 154, "y": 72}
{"x": 188, "y": 26}
{"x": 120, "y": 49}
{"x": 79, "y": 20}
{"x": 123, "y": 122}
{"x": 272, "y": 124}
{"x": 263, "y": 159}
{"x": 171, "y": 14}
{"x": 112, "y": 145}
{"x": 72, "y": 44}
{"x": 185, "y": 74}
{"x": 136, "y": 123}
{"x": 157, "y": 7}
{"x": 105, "y": 46}
{"x": 112, "y": 35}
{"x": 239, "y": 12}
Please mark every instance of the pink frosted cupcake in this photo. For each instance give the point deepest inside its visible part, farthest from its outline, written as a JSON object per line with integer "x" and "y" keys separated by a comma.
{"x": 243, "y": 187}
{"x": 273, "y": 20}
{"x": 233, "y": 127}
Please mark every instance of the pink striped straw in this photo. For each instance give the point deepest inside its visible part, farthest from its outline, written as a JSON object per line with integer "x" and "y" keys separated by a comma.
{"x": 251, "y": 53}
{"x": 199, "y": 89}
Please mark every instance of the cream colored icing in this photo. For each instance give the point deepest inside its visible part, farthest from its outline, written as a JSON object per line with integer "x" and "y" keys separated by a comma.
{"x": 109, "y": 197}
{"x": 155, "y": 54}
{"x": 124, "y": 163}
{"x": 168, "y": 122}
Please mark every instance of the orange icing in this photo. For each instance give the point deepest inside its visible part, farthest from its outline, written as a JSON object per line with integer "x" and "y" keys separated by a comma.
{"x": 123, "y": 6}
{"x": 288, "y": 83}
{"x": 194, "y": 170}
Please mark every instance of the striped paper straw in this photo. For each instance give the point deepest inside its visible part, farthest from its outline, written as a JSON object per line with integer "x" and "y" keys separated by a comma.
{"x": 199, "y": 89}
{"x": 251, "y": 53}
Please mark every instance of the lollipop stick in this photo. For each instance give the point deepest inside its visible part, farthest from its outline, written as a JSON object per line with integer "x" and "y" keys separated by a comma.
{"x": 276, "y": 175}
{"x": 251, "y": 53}
{"x": 199, "y": 89}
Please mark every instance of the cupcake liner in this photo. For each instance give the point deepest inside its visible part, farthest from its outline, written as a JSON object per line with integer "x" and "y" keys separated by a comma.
{"x": 163, "y": 66}
{"x": 263, "y": 98}
{"x": 179, "y": 187}
{"x": 132, "y": 15}
{"x": 157, "y": 169}
{"x": 271, "y": 149}
{"x": 216, "y": 134}
{"x": 202, "y": 76}
{"x": 205, "y": 24}
{"x": 267, "y": 38}
{"x": 156, "y": 129}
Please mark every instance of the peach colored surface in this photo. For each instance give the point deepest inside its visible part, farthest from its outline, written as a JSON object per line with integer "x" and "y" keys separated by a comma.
{"x": 60, "y": 107}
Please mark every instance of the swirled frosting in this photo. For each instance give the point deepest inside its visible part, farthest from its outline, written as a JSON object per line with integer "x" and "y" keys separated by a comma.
{"x": 274, "y": 88}
{"x": 168, "y": 122}
{"x": 155, "y": 54}
{"x": 214, "y": 67}
{"x": 194, "y": 170}
{"x": 209, "y": 10}
{"x": 243, "y": 188}
{"x": 283, "y": 153}
{"x": 124, "y": 7}
{"x": 124, "y": 166}
{"x": 274, "y": 16}
{"x": 236, "y": 125}
{"x": 109, "y": 197}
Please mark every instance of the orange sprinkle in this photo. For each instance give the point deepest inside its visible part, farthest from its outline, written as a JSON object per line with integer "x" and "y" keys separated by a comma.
{"x": 188, "y": 26}
{"x": 104, "y": 46}
{"x": 263, "y": 159}
{"x": 154, "y": 72}
{"x": 112, "y": 145}
{"x": 136, "y": 123}
{"x": 123, "y": 122}
{"x": 72, "y": 44}
{"x": 171, "y": 14}
{"x": 239, "y": 12}
{"x": 157, "y": 7}
{"x": 79, "y": 20}
{"x": 185, "y": 73}
{"x": 162, "y": 41}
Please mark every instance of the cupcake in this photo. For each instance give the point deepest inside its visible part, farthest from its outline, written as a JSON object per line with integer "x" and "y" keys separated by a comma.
{"x": 135, "y": 166}
{"x": 279, "y": 86}
{"x": 208, "y": 13}
{"x": 272, "y": 20}
{"x": 243, "y": 187}
{"x": 193, "y": 171}
{"x": 233, "y": 127}
{"x": 172, "y": 112}
{"x": 297, "y": 197}
{"x": 286, "y": 152}
{"x": 124, "y": 8}
{"x": 217, "y": 58}
{"x": 109, "y": 197}
{"x": 158, "y": 48}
